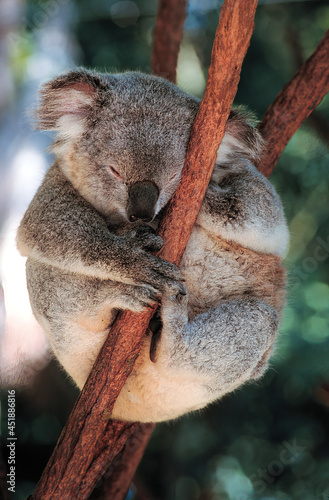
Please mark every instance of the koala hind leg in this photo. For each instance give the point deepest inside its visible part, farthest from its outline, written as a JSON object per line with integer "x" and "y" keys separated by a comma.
{"x": 199, "y": 361}
{"x": 224, "y": 347}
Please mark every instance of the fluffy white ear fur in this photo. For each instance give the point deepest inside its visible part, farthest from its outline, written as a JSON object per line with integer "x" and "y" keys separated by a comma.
{"x": 228, "y": 144}
{"x": 64, "y": 104}
{"x": 70, "y": 127}
{"x": 71, "y": 109}
{"x": 73, "y": 100}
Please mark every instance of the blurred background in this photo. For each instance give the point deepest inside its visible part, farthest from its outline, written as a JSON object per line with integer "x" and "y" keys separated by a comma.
{"x": 270, "y": 439}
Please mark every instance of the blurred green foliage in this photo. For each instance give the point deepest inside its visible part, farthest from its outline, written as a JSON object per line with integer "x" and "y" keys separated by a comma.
{"x": 269, "y": 440}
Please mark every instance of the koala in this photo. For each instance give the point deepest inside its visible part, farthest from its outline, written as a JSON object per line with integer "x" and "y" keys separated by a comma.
{"x": 89, "y": 236}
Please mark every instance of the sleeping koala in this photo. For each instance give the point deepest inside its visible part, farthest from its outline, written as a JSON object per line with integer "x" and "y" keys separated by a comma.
{"x": 89, "y": 233}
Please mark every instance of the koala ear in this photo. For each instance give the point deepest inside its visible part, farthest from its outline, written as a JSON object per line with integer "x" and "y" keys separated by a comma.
{"x": 241, "y": 137}
{"x": 66, "y": 100}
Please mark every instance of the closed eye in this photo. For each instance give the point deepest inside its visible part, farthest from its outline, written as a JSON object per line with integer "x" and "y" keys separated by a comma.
{"x": 115, "y": 173}
{"x": 173, "y": 177}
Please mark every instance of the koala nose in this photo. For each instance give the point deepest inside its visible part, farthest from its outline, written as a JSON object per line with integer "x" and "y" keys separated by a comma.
{"x": 142, "y": 200}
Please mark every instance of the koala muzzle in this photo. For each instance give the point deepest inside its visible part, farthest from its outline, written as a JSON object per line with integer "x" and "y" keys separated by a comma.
{"x": 142, "y": 200}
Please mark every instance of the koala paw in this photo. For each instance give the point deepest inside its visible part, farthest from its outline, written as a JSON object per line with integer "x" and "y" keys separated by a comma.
{"x": 162, "y": 276}
{"x": 141, "y": 268}
{"x": 138, "y": 298}
{"x": 144, "y": 238}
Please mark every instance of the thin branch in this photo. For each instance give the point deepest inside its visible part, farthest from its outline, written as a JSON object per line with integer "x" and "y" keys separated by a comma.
{"x": 236, "y": 23}
{"x": 168, "y": 34}
{"x": 293, "y": 104}
{"x": 90, "y": 439}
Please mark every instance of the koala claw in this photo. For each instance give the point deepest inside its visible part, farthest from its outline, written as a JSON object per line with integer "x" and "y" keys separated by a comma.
{"x": 182, "y": 292}
{"x": 179, "y": 297}
{"x": 138, "y": 298}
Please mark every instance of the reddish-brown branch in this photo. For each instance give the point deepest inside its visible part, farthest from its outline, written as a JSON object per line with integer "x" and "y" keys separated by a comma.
{"x": 293, "y": 104}
{"x": 90, "y": 439}
{"x": 231, "y": 42}
{"x": 168, "y": 34}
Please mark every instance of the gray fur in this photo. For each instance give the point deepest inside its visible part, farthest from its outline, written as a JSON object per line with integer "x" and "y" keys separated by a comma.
{"x": 120, "y": 146}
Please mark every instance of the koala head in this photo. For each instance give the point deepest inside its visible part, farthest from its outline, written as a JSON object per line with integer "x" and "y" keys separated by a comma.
{"x": 120, "y": 139}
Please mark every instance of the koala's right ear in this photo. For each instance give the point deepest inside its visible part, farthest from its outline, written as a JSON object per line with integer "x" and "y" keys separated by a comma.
{"x": 66, "y": 100}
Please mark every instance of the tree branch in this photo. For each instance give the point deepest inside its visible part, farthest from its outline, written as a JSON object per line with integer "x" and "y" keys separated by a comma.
{"x": 117, "y": 479}
{"x": 168, "y": 34}
{"x": 90, "y": 440}
{"x": 293, "y": 105}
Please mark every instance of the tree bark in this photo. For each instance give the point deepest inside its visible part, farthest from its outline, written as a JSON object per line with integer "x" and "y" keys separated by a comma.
{"x": 117, "y": 479}
{"x": 168, "y": 34}
{"x": 293, "y": 105}
{"x": 90, "y": 440}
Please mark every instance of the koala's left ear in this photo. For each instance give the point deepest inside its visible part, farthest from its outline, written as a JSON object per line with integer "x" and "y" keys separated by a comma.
{"x": 66, "y": 100}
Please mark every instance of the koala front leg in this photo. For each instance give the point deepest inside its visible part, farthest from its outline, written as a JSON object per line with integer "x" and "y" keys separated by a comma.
{"x": 220, "y": 349}
{"x": 70, "y": 234}
{"x": 77, "y": 312}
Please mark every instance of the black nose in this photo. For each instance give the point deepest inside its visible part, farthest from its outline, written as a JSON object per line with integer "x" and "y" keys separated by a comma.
{"x": 142, "y": 200}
